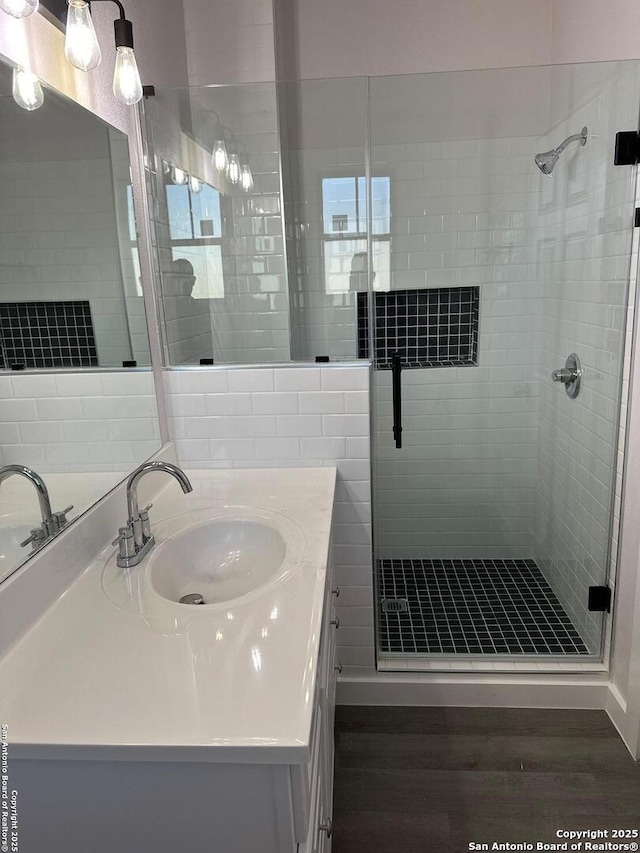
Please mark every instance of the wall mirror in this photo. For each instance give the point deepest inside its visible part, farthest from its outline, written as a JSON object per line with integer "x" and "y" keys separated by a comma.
{"x": 77, "y": 400}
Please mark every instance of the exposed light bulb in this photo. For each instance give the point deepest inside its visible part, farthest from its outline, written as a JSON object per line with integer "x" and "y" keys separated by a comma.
{"x": 19, "y": 8}
{"x": 195, "y": 184}
{"x": 220, "y": 158}
{"x": 80, "y": 42}
{"x": 127, "y": 85}
{"x": 178, "y": 177}
{"x": 234, "y": 172}
{"x": 246, "y": 178}
{"x": 27, "y": 91}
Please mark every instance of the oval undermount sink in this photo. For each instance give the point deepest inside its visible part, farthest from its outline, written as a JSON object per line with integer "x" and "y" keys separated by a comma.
{"x": 221, "y": 560}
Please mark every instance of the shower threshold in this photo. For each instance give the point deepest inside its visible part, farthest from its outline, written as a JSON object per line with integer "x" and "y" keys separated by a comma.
{"x": 501, "y": 608}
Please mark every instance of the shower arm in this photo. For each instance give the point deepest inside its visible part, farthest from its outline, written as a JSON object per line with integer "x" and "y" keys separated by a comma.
{"x": 577, "y": 137}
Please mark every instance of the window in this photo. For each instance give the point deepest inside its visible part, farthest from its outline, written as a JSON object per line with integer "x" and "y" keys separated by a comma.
{"x": 344, "y": 214}
{"x": 195, "y": 231}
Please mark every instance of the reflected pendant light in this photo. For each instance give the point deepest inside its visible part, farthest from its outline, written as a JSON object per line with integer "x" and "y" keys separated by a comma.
{"x": 195, "y": 184}
{"x": 178, "y": 176}
{"x": 27, "y": 91}
{"x": 246, "y": 178}
{"x": 220, "y": 158}
{"x": 234, "y": 172}
{"x": 19, "y": 8}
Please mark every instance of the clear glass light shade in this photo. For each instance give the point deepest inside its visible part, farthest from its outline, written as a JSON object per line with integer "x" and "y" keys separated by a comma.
{"x": 127, "y": 85}
{"x": 178, "y": 177}
{"x": 220, "y": 158}
{"x": 234, "y": 172}
{"x": 195, "y": 184}
{"x": 19, "y": 8}
{"x": 27, "y": 91}
{"x": 81, "y": 43}
{"x": 246, "y": 178}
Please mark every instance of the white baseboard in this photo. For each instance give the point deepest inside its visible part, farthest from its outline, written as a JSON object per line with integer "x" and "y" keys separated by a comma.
{"x": 439, "y": 690}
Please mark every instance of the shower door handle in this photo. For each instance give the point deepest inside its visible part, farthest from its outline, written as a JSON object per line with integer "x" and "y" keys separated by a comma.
{"x": 396, "y": 371}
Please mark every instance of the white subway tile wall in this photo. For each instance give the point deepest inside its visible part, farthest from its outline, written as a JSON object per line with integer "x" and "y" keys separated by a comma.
{"x": 78, "y": 422}
{"x": 463, "y": 484}
{"x": 584, "y": 246}
{"x": 295, "y": 416}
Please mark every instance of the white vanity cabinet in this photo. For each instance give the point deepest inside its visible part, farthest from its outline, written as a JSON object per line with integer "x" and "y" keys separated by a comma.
{"x": 312, "y": 784}
{"x": 137, "y": 726}
{"x": 249, "y": 805}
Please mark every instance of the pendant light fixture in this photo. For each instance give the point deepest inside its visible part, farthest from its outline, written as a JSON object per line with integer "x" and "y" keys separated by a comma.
{"x": 27, "y": 90}
{"x": 195, "y": 184}
{"x": 83, "y": 50}
{"x": 81, "y": 45}
{"x": 19, "y": 8}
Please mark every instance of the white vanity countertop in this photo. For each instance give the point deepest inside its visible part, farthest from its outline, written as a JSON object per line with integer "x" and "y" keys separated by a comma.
{"x": 166, "y": 682}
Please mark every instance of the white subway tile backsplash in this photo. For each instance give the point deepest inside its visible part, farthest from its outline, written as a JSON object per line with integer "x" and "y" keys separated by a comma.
{"x": 299, "y": 425}
{"x": 251, "y": 380}
{"x": 321, "y": 402}
{"x": 297, "y": 379}
{"x": 275, "y": 403}
{"x": 345, "y": 425}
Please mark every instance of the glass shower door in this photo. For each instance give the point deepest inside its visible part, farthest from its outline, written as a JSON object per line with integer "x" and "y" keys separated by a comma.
{"x": 493, "y": 519}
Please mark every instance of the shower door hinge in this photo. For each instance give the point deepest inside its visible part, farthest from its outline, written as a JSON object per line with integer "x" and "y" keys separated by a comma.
{"x": 600, "y": 599}
{"x": 636, "y": 221}
{"x": 627, "y": 151}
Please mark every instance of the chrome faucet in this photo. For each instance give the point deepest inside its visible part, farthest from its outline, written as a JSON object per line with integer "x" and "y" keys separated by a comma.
{"x": 135, "y": 539}
{"x": 52, "y": 522}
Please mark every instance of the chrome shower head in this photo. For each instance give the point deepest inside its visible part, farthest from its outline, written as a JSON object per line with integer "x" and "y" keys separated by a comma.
{"x": 547, "y": 160}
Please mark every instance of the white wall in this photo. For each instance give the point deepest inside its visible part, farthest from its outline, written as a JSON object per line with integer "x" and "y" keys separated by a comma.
{"x": 229, "y": 41}
{"x": 296, "y": 416}
{"x": 78, "y": 422}
{"x": 588, "y": 31}
{"x": 375, "y": 38}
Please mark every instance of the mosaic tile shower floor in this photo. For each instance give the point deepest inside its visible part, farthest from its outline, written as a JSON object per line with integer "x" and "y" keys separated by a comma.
{"x": 484, "y": 607}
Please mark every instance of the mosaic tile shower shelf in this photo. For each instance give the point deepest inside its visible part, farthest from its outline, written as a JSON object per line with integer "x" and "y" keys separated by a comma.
{"x": 428, "y": 327}
{"x": 47, "y": 334}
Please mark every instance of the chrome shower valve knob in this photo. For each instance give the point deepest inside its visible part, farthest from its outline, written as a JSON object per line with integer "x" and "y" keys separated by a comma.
{"x": 570, "y": 375}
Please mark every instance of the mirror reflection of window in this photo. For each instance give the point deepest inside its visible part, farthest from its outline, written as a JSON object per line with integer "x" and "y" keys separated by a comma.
{"x": 344, "y": 214}
{"x": 195, "y": 230}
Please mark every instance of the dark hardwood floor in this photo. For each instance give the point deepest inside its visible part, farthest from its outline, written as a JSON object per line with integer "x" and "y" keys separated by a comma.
{"x": 436, "y": 779}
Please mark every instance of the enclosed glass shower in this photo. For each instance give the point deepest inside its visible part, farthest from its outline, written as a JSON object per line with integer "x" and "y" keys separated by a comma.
{"x": 493, "y": 247}
{"x": 470, "y": 235}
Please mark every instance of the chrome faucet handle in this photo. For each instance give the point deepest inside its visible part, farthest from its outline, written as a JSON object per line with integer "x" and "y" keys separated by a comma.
{"x": 146, "y": 523}
{"x": 38, "y": 537}
{"x": 126, "y": 543}
{"x": 60, "y": 517}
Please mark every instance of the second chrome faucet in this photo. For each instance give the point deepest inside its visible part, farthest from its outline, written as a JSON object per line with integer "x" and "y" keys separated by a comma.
{"x": 135, "y": 539}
